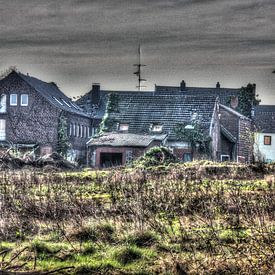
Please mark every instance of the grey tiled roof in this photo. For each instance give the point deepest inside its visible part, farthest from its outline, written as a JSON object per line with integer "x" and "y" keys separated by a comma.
{"x": 124, "y": 140}
{"x": 223, "y": 93}
{"x": 52, "y": 93}
{"x": 141, "y": 112}
{"x": 98, "y": 110}
{"x": 264, "y": 117}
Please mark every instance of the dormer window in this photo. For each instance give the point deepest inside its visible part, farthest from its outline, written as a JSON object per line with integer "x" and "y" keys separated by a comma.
{"x": 157, "y": 128}
{"x": 13, "y": 100}
{"x": 189, "y": 127}
{"x": 123, "y": 127}
{"x": 24, "y": 100}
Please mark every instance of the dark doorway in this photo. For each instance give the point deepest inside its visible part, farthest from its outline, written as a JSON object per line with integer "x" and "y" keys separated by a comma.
{"x": 110, "y": 159}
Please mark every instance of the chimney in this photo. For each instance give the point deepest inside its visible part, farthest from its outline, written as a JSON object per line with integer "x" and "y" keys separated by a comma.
{"x": 182, "y": 85}
{"x": 218, "y": 85}
{"x": 95, "y": 95}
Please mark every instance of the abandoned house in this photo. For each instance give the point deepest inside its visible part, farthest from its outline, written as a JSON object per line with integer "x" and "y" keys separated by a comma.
{"x": 264, "y": 147}
{"x": 171, "y": 118}
{"x": 37, "y": 116}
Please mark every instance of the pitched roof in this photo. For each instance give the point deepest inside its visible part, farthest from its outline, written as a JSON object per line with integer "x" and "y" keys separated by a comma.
{"x": 141, "y": 112}
{"x": 264, "y": 117}
{"x": 98, "y": 110}
{"x": 52, "y": 93}
{"x": 223, "y": 93}
{"x": 124, "y": 140}
{"x": 232, "y": 111}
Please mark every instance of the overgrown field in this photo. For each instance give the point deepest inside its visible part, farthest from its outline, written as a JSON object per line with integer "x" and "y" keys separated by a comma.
{"x": 201, "y": 218}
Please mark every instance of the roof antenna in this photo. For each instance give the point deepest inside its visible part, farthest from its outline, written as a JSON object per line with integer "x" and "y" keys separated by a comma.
{"x": 138, "y": 72}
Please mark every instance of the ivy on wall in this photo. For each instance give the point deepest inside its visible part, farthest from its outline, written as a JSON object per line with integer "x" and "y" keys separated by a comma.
{"x": 112, "y": 107}
{"x": 63, "y": 139}
{"x": 194, "y": 134}
{"x": 246, "y": 100}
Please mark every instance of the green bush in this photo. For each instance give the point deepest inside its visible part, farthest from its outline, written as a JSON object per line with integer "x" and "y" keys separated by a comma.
{"x": 156, "y": 156}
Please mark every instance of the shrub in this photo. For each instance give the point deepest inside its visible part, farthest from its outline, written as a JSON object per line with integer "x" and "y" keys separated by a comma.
{"x": 155, "y": 157}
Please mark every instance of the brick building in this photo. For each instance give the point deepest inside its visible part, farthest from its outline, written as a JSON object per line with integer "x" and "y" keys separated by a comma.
{"x": 156, "y": 114}
{"x": 30, "y": 117}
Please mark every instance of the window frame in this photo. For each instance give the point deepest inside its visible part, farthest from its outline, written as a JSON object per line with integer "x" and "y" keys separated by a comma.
{"x": 3, "y": 100}
{"x": 270, "y": 140}
{"x": 3, "y": 124}
{"x": 155, "y": 128}
{"x": 16, "y": 97}
{"x": 21, "y": 97}
{"x": 122, "y": 125}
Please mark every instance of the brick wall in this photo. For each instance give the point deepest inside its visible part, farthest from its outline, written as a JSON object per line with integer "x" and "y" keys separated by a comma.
{"x": 35, "y": 123}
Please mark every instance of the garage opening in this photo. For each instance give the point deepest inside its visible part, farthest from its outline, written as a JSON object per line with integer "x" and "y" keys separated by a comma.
{"x": 110, "y": 159}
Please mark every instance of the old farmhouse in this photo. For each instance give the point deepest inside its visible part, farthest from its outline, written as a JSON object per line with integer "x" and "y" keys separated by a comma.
{"x": 171, "y": 118}
{"x": 36, "y": 115}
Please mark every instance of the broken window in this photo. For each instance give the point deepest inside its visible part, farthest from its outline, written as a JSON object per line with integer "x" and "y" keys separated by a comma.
{"x": 3, "y": 103}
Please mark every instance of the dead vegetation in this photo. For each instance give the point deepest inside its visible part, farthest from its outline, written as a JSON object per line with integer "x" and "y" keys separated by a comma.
{"x": 200, "y": 218}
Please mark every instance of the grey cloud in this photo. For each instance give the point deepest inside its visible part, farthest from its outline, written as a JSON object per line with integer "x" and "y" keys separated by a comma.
{"x": 100, "y": 38}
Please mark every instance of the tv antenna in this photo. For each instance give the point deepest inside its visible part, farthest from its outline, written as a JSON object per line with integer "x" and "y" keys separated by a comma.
{"x": 138, "y": 72}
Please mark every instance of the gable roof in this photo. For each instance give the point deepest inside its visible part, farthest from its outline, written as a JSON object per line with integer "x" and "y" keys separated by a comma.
{"x": 98, "y": 110}
{"x": 52, "y": 94}
{"x": 264, "y": 118}
{"x": 143, "y": 111}
{"x": 124, "y": 140}
{"x": 223, "y": 93}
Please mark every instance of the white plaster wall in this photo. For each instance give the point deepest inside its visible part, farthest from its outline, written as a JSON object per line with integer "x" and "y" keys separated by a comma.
{"x": 264, "y": 152}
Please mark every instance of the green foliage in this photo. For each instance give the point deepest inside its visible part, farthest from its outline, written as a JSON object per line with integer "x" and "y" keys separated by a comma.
{"x": 128, "y": 255}
{"x": 156, "y": 156}
{"x": 195, "y": 135}
{"x": 247, "y": 99}
{"x": 143, "y": 239}
{"x": 89, "y": 232}
{"x": 63, "y": 139}
{"x": 112, "y": 107}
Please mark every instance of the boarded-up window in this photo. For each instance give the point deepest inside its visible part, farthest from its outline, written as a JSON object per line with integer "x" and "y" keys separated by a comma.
{"x": 267, "y": 140}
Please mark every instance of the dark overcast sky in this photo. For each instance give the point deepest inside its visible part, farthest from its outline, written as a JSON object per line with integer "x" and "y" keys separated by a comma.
{"x": 77, "y": 42}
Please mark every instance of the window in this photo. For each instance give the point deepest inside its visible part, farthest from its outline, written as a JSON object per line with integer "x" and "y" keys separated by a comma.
{"x": 267, "y": 140}
{"x": 24, "y": 100}
{"x": 187, "y": 157}
{"x": 57, "y": 100}
{"x": 156, "y": 128}
{"x": 71, "y": 130}
{"x": 225, "y": 158}
{"x": 74, "y": 130}
{"x": 123, "y": 127}
{"x": 2, "y": 129}
{"x": 3, "y": 103}
{"x": 77, "y": 130}
{"x": 13, "y": 100}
